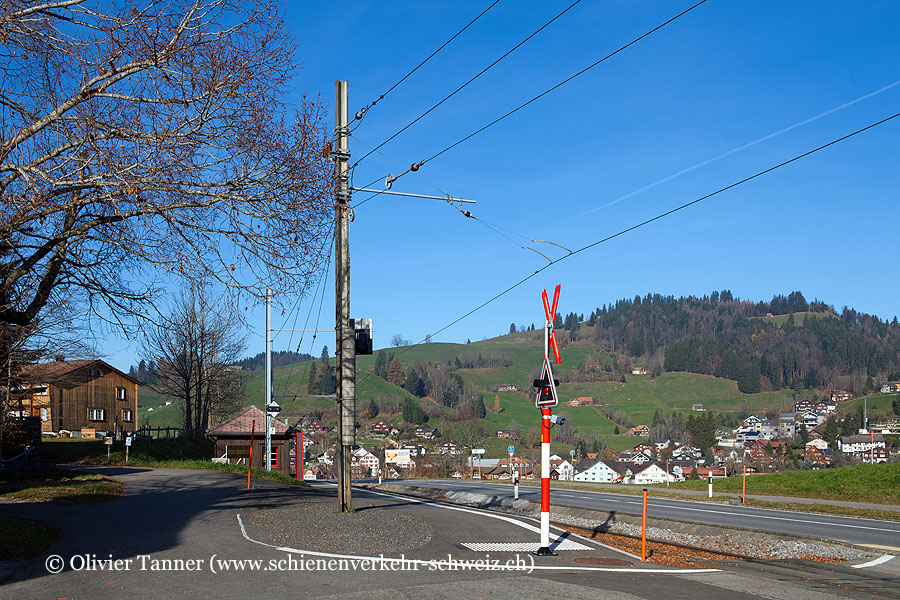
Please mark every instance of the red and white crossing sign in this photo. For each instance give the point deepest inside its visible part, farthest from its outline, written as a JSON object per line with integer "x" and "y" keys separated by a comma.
{"x": 551, "y": 316}
{"x": 546, "y": 395}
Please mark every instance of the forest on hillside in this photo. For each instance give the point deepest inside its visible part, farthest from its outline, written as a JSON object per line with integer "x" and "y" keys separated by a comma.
{"x": 725, "y": 336}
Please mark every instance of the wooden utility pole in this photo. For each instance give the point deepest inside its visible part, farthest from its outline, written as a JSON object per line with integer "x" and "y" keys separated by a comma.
{"x": 345, "y": 336}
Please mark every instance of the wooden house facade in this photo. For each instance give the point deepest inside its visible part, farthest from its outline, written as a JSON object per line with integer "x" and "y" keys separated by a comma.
{"x": 75, "y": 394}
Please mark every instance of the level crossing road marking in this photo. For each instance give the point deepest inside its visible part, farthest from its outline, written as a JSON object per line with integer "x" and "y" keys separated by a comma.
{"x": 427, "y": 563}
{"x": 872, "y": 563}
{"x": 521, "y": 546}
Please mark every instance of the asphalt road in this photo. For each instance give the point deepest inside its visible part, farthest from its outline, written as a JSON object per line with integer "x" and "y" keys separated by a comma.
{"x": 867, "y": 532}
{"x": 168, "y": 515}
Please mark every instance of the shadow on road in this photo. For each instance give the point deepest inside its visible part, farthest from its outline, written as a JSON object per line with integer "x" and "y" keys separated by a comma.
{"x": 152, "y": 516}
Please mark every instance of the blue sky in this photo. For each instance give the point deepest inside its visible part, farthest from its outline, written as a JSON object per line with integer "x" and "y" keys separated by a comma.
{"x": 565, "y": 168}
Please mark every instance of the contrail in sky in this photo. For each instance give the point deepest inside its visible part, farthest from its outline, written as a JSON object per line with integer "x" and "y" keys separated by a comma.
{"x": 739, "y": 148}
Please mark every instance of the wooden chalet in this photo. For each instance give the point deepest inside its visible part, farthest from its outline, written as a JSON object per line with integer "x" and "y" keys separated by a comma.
{"x": 74, "y": 394}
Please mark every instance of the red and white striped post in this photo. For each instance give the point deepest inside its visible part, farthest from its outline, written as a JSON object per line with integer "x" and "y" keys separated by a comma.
{"x": 545, "y": 399}
{"x": 544, "y": 550}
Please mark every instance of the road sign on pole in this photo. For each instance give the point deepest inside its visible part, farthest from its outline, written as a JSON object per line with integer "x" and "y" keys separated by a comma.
{"x": 511, "y": 449}
{"x": 545, "y": 399}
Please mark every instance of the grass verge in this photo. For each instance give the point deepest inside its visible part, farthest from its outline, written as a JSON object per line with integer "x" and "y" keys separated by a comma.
{"x": 878, "y": 484}
{"x": 32, "y": 538}
{"x": 60, "y": 486}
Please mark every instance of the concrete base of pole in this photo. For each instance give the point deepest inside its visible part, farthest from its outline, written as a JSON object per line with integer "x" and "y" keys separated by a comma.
{"x": 544, "y": 551}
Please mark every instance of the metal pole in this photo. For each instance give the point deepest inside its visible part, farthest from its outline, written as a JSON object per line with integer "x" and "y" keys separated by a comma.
{"x": 268, "y": 379}
{"x": 250, "y": 458}
{"x": 345, "y": 336}
{"x": 544, "y": 550}
{"x": 644, "y": 529}
{"x": 744, "y": 487}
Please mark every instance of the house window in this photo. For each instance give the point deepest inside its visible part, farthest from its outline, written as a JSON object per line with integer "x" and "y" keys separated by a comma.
{"x": 44, "y": 414}
{"x": 120, "y": 393}
{"x": 274, "y": 457}
{"x": 127, "y": 415}
{"x": 96, "y": 414}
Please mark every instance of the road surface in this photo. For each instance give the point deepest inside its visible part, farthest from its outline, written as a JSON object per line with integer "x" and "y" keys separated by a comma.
{"x": 864, "y": 532}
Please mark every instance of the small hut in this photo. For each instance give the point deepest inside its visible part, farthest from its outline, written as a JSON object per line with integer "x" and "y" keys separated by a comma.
{"x": 232, "y": 440}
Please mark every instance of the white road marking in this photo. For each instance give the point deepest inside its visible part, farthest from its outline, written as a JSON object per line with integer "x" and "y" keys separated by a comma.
{"x": 750, "y": 515}
{"x": 521, "y": 546}
{"x": 877, "y": 561}
{"x": 434, "y": 563}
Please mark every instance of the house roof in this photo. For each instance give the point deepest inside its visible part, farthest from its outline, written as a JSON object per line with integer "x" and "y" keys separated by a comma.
{"x": 62, "y": 372}
{"x": 242, "y": 423}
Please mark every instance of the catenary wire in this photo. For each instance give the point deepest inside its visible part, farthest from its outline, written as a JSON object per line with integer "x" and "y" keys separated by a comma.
{"x": 362, "y": 113}
{"x": 322, "y": 281}
{"x": 561, "y": 83}
{"x": 458, "y": 89}
{"x": 652, "y": 220}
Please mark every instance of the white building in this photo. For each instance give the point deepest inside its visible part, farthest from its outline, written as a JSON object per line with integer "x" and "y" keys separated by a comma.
{"x": 652, "y": 473}
{"x": 860, "y": 445}
{"x": 367, "y": 459}
{"x": 563, "y": 467}
{"x": 599, "y": 471}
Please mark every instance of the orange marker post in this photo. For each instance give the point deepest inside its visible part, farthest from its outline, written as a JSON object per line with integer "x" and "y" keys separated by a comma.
{"x": 644, "y": 530}
{"x": 250, "y": 460}
{"x": 297, "y": 454}
{"x": 744, "y": 487}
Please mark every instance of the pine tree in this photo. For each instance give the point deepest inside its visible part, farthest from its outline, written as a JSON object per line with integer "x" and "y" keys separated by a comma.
{"x": 616, "y": 430}
{"x": 512, "y": 327}
{"x": 381, "y": 365}
{"x": 312, "y": 384}
{"x": 395, "y": 372}
{"x": 372, "y": 409}
{"x": 478, "y": 408}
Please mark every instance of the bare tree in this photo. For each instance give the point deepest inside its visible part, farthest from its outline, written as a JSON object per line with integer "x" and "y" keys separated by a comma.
{"x": 138, "y": 139}
{"x": 193, "y": 349}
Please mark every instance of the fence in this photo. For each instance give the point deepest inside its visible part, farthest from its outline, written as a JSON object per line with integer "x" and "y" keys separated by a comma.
{"x": 159, "y": 433}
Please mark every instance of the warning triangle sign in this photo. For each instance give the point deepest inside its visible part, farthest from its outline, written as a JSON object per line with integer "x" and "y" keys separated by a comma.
{"x": 546, "y": 395}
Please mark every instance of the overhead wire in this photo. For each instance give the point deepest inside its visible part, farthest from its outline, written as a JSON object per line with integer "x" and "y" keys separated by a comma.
{"x": 654, "y": 219}
{"x": 362, "y": 113}
{"x": 461, "y": 87}
{"x": 323, "y": 282}
{"x": 561, "y": 83}
{"x": 319, "y": 285}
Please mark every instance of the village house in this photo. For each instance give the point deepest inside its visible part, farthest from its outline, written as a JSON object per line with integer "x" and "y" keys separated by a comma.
{"x": 450, "y": 448}
{"x": 640, "y": 431}
{"x": 818, "y": 456}
{"x": 561, "y": 469}
{"x": 581, "y": 401}
{"x": 505, "y": 433}
{"x": 890, "y": 387}
{"x": 367, "y": 460}
{"x": 600, "y": 471}
{"x": 639, "y": 371}
{"x": 863, "y": 446}
{"x": 508, "y": 387}
{"x": 232, "y": 439}
{"x": 686, "y": 453}
{"x": 819, "y": 443}
{"x": 788, "y": 425}
{"x": 75, "y": 394}
{"x": 650, "y": 473}
{"x": 427, "y": 433}
{"x": 314, "y": 427}
{"x": 840, "y": 396}
{"x": 383, "y": 428}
